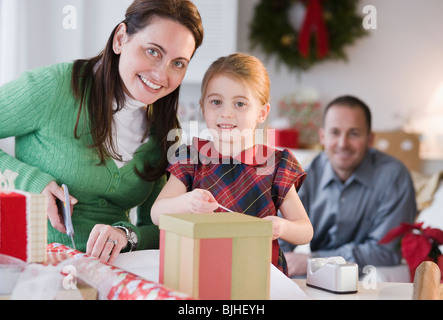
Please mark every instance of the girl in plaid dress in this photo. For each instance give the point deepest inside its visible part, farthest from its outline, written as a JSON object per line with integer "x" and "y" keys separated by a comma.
{"x": 232, "y": 171}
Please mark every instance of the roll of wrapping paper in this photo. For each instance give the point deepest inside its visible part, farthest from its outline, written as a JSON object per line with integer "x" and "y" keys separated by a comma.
{"x": 112, "y": 283}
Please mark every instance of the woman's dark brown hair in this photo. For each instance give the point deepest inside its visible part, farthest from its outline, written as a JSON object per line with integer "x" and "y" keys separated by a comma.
{"x": 96, "y": 83}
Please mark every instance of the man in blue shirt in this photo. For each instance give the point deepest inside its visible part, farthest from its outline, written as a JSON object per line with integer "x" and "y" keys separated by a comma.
{"x": 353, "y": 194}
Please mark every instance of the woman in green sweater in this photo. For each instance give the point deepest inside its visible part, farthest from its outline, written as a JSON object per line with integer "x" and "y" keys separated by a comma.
{"x": 100, "y": 126}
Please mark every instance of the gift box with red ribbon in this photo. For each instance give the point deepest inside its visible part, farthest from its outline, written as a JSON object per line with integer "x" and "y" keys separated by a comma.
{"x": 23, "y": 226}
{"x": 216, "y": 256}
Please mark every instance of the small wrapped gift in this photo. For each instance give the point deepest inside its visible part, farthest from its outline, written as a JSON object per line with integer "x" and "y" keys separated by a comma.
{"x": 286, "y": 138}
{"x": 23, "y": 222}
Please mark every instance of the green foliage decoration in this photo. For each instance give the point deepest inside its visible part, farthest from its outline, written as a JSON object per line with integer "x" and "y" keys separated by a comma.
{"x": 272, "y": 31}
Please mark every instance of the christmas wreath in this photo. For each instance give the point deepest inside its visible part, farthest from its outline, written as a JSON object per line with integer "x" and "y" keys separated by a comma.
{"x": 323, "y": 29}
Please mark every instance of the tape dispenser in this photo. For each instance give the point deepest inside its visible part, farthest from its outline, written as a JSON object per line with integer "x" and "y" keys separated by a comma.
{"x": 332, "y": 274}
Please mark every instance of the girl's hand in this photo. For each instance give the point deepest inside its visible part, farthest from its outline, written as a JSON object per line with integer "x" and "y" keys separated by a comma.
{"x": 105, "y": 242}
{"x": 277, "y": 226}
{"x": 174, "y": 198}
{"x": 297, "y": 263}
{"x": 54, "y": 192}
{"x": 201, "y": 201}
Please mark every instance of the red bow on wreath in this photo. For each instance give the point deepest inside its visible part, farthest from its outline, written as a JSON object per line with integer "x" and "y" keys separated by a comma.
{"x": 314, "y": 22}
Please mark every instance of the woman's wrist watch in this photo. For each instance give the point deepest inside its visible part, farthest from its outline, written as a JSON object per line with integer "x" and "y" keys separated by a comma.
{"x": 131, "y": 236}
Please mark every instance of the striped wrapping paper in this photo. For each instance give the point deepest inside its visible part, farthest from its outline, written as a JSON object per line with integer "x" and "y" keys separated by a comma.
{"x": 112, "y": 283}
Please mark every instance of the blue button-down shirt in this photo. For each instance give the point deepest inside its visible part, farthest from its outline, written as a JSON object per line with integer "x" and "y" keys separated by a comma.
{"x": 350, "y": 218}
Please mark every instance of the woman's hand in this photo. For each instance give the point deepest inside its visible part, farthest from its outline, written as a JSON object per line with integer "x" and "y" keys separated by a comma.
{"x": 105, "y": 242}
{"x": 54, "y": 192}
{"x": 201, "y": 201}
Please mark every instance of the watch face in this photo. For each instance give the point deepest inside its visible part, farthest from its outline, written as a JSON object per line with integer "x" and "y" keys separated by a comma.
{"x": 133, "y": 237}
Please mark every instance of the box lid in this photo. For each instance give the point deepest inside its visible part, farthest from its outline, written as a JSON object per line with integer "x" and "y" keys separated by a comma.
{"x": 216, "y": 225}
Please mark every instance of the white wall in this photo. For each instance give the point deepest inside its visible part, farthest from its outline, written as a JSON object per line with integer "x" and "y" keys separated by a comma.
{"x": 50, "y": 41}
{"x": 395, "y": 69}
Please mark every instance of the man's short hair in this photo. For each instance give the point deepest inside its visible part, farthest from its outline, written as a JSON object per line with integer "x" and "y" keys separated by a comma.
{"x": 351, "y": 102}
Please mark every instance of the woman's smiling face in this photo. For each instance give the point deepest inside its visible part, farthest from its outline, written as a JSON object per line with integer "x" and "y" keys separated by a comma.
{"x": 153, "y": 62}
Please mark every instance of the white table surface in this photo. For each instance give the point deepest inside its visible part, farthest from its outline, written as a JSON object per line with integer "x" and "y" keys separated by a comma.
{"x": 146, "y": 264}
{"x": 365, "y": 291}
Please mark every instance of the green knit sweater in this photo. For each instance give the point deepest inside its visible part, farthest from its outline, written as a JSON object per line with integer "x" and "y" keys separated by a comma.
{"x": 40, "y": 111}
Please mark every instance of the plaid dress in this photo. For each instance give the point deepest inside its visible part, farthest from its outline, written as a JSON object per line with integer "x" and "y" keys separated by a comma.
{"x": 255, "y": 182}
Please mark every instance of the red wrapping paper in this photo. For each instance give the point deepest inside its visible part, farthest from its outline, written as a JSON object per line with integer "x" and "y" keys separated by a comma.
{"x": 112, "y": 283}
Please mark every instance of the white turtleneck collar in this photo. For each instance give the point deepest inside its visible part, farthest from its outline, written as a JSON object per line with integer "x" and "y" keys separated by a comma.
{"x": 129, "y": 127}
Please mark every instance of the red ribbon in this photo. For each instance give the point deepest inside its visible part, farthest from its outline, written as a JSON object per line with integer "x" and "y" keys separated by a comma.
{"x": 314, "y": 23}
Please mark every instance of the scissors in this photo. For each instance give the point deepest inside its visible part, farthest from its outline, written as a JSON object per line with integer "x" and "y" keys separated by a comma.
{"x": 67, "y": 216}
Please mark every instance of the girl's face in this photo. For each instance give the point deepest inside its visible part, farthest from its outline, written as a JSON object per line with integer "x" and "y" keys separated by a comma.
{"x": 153, "y": 62}
{"x": 232, "y": 111}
